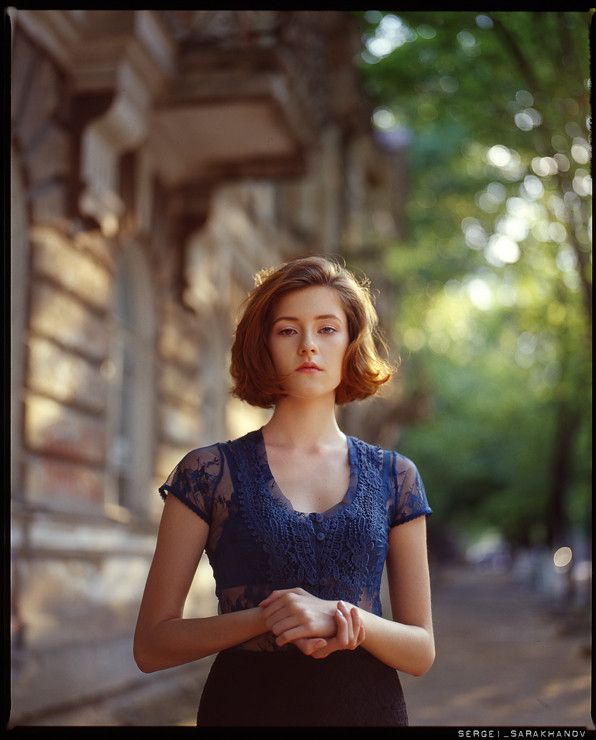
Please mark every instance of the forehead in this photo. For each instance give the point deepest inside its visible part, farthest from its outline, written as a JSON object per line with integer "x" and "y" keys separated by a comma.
{"x": 309, "y": 302}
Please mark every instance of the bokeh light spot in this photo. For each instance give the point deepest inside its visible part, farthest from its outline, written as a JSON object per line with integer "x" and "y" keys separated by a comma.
{"x": 562, "y": 557}
{"x": 498, "y": 155}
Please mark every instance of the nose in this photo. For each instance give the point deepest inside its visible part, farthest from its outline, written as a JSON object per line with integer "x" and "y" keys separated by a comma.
{"x": 307, "y": 345}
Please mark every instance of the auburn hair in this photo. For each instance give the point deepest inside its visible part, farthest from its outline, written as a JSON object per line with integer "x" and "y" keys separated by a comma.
{"x": 364, "y": 371}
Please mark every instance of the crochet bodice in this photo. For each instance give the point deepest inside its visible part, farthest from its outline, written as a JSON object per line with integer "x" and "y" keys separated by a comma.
{"x": 258, "y": 542}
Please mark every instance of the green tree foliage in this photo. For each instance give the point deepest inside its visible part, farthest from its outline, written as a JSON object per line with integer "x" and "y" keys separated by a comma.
{"x": 493, "y": 279}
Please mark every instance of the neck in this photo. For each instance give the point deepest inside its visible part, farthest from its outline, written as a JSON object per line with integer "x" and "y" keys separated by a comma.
{"x": 304, "y": 425}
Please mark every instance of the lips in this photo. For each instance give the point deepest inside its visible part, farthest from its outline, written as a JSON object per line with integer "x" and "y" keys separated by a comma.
{"x": 308, "y": 366}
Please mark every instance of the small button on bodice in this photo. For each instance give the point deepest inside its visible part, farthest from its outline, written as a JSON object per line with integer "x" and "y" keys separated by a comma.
{"x": 320, "y": 536}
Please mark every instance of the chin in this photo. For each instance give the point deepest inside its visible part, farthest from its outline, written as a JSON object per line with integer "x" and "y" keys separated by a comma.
{"x": 310, "y": 394}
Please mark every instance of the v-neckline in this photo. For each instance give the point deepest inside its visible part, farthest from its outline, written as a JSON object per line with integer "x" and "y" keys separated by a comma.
{"x": 274, "y": 489}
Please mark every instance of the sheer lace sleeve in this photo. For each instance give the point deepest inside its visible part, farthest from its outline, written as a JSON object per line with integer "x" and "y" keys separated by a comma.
{"x": 410, "y": 496}
{"x": 195, "y": 479}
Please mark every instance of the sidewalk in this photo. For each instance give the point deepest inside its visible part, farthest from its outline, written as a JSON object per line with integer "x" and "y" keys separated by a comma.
{"x": 499, "y": 661}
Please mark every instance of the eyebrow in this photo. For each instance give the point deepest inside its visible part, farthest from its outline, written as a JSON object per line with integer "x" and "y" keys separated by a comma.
{"x": 294, "y": 318}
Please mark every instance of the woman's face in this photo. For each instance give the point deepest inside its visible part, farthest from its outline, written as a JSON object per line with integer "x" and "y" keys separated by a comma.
{"x": 309, "y": 326}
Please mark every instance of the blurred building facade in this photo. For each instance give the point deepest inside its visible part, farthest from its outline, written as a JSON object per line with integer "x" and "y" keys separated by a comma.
{"x": 158, "y": 160}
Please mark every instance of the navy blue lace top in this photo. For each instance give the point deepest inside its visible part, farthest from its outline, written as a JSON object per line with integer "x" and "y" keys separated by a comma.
{"x": 258, "y": 542}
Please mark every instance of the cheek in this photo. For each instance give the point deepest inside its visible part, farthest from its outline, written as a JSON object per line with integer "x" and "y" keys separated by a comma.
{"x": 344, "y": 354}
{"x": 342, "y": 347}
{"x": 278, "y": 353}
{"x": 339, "y": 353}
{"x": 273, "y": 352}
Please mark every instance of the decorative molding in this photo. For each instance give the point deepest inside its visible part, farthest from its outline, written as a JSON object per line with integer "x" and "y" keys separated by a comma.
{"x": 122, "y": 127}
{"x": 133, "y": 63}
{"x": 151, "y": 30}
{"x": 56, "y": 31}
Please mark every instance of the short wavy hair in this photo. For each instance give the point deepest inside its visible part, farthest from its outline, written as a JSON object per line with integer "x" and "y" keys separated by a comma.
{"x": 364, "y": 371}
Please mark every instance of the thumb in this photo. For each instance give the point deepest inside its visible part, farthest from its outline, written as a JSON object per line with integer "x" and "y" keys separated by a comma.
{"x": 308, "y": 645}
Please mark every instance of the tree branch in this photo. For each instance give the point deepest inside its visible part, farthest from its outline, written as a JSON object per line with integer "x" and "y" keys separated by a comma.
{"x": 567, "y": 46}
{"x": 581, "y": 255}
{"x": 511, "y": 43}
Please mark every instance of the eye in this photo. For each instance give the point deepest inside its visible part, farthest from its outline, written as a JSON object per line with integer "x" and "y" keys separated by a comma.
{"x": 329, "y": 329}
{"x": 285, "y": 332}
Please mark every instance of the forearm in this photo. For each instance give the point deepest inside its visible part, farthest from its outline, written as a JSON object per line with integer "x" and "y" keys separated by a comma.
{"x": 405, "y": 647}
{"x": 176, "y": 641}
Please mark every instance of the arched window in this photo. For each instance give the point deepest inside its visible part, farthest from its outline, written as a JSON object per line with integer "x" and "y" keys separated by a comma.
{"x": 131, "y": 400}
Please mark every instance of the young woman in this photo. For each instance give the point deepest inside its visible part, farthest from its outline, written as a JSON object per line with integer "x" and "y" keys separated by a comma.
{"x": 298, "y": 520}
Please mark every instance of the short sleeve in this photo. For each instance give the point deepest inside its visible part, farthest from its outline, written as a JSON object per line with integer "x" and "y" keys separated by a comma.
{"x": 410, "y": 499}
{"x": 195, "y": 479}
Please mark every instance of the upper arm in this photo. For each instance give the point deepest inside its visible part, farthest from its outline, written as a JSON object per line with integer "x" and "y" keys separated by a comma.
{"x": 408, "y": 574}
{"x": 181, "y": 540}
{"x": 407, "y": 559}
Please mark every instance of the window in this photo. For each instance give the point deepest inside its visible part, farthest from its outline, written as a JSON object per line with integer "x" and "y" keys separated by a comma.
{"x": 131, "y": 372}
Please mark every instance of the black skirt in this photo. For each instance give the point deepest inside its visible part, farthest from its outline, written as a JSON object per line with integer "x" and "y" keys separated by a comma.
{"x": 349, "y": 688}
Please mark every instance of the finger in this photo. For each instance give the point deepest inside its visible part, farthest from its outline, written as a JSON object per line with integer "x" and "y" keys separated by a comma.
{"x": 361, "y": 634}
{"x": 342, "y": 627}
{"x": 354, "y": 628}
{"x": 316, "y": 645}
{"x": 277, "y": 609}
{"x": 349, "y": 624}
{"x": 273, "y": 596}
{"x": 277, "y": 626}
{"x": 357, "y": 625}
{"x": 291, "y": 634}
{"x": 278, "y": 594}
{"x": 356, "y": 621}
{"x": 268, "y": 599}
{"x": 325, "y": 650}
{"x": 340, "y": 642}
{"x": 309, "y": 645}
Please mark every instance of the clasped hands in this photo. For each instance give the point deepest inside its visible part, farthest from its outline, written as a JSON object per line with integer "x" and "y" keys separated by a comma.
{"x": 316, "y": 626}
